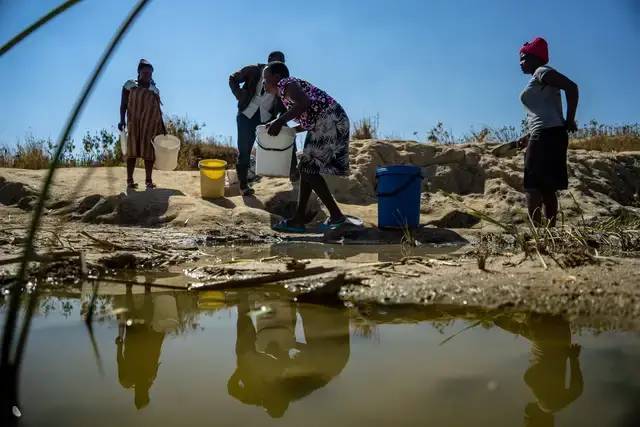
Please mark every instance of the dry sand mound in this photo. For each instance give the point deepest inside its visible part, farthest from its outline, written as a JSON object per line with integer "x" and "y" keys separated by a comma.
{"x": 602, "y": 183}
{"x": 455, "y": 177}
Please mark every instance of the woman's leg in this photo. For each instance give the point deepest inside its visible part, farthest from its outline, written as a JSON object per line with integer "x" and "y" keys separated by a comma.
{"x": 550, "y": 201}
{"x": 148, "y": 170}
{"x": 319, "y": 185}
{"x": 534, "y": 205}
{"x": 131, "y": 166}
{"x": 304, "y": 193}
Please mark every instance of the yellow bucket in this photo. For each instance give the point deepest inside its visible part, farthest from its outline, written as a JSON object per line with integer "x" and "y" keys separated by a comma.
{"x": 212, "y": 173}
{"x": 211, "y": 300}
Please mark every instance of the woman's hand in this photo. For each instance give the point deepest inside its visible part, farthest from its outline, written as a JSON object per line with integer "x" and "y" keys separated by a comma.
{"x": 522, "y": 142}
{"x": 571, "y": 125}
{"x": 274, "y": 127}
{"x": 299, "y": 129}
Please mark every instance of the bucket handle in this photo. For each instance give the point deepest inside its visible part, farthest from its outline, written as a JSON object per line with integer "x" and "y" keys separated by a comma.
{"x": 400, "y": 188}
{"x": 276, "y": 149}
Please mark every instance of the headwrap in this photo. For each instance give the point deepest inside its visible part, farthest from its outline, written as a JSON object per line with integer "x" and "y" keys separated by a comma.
{"x": 537, "y": 47}
{"x": 144, "y": 63}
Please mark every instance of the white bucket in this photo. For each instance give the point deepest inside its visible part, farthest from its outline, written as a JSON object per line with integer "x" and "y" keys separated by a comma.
{"x": 273, "y": 153}
{"x": 123, "y": 143}
{"x": 165, "y": 313}
{"x": 276, "y": 327}
{"x": 166, "y": 148}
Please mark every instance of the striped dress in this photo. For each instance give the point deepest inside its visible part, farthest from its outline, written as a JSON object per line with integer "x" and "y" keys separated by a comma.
{"x": 144, "y": 119}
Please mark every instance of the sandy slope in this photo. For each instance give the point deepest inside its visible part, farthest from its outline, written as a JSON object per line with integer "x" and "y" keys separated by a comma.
{"x": 455, "y": 176}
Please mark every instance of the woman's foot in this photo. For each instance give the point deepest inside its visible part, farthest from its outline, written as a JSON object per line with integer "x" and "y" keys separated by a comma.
{"x": 150, "y": 185}
{"x": 290, "y": 226}
{"x": 338, "y": 220}
{"x": 131, "y": 185}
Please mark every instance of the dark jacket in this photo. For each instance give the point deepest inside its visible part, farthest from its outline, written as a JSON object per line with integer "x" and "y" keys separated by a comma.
{"x": 249, "y": 77}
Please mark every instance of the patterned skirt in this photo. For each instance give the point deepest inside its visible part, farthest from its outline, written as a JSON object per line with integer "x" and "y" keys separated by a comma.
{"x": 326, "y": 148}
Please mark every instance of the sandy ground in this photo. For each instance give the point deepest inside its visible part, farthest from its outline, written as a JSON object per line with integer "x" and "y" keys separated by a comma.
{"x": 90, "y": 211}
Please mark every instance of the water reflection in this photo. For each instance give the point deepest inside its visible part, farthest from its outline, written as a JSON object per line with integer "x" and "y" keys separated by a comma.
{"x": 273, "y": 368}
{"x": 551, "y": 346}
{"x": 141, "y": 331}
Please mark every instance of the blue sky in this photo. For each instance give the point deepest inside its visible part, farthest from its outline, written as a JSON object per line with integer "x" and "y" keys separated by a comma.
{"x": 413, "y": 63}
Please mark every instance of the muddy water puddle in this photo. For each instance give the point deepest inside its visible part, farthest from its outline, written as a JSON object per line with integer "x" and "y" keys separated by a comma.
{"x": 253, "y": 358}
{"x": 306, "y": 250}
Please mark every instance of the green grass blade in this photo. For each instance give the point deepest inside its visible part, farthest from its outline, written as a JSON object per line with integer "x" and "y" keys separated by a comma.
{"x": 39, "y": 23}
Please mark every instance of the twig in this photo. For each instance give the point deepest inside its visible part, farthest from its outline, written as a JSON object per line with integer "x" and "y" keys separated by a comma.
{"x": 106, "y": 244}
{"x": 262, "y": 280}
{"x": 146, "y": 284}
{"x": 399, "y": 273}
{"x": 39, "y": 257}
{"x": 461, "y": 331}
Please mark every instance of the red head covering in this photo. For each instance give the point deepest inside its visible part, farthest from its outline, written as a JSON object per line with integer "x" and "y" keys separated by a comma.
{"x": 537, "y": 47}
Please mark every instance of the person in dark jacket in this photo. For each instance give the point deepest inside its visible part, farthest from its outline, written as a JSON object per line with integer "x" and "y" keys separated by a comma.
{"x": 256, "y": 106}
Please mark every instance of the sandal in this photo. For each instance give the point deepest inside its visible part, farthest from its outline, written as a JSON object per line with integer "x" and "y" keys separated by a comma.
{"x": 150, "y": 185}
{"x": 328, "y": 225}
{"x": 132, "y": 185}
{"x": 347, "y": 219}
{"x": 284, "y": 227}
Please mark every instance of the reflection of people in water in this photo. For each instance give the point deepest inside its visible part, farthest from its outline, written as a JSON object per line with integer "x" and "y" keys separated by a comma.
{"x": 138, "y": 347}
{"x": 272, "y": 368}
{"x": 550, "y": 337}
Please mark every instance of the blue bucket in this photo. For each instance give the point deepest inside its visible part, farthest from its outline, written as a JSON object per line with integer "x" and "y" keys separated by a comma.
{"x": 398, "y": 189}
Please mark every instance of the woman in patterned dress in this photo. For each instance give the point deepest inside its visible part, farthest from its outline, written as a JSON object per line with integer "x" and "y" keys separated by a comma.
{"x": 326, "y": 147}
{"x": 141, "y": 102}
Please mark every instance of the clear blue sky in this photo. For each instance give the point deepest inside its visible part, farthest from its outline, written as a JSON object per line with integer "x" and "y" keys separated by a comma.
{"x": 412, "y": 62}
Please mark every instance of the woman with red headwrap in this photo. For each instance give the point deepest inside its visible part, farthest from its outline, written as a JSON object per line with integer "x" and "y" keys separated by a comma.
{"x": 545, "y": 169}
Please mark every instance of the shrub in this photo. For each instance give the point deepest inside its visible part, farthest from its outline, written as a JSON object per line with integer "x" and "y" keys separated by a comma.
{"x": 366, "y": 128}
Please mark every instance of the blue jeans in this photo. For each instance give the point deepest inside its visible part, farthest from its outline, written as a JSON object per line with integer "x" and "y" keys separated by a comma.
{"x": 246, "y": 138}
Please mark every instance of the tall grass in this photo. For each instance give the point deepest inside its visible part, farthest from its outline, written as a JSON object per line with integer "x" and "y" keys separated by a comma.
{"x": 102, "y": 148}
{"x": 366, "y": 128}
{"x": 592, "y": 136}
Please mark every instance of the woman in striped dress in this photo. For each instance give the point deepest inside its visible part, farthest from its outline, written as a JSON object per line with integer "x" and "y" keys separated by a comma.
{"x": 141, "y": 103}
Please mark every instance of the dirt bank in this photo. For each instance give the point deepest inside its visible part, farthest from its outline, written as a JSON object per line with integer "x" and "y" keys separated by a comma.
{"x": 90, "y": 212}
{"x": 601, "y": 184}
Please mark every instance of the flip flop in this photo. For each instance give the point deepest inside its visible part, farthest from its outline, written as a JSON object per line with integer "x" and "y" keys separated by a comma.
{"x": 284, "y": 227}
{"x": 333, "y": 225}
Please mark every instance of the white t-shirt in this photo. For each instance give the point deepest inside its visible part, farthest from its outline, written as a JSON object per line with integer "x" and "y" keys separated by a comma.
{"x": 542, "y": 103}
{"x": 262, "y": 101}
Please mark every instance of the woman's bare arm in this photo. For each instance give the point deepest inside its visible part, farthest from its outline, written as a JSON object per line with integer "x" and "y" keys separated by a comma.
{"x": 556, "y": 79}
{"x": 124, "y": 100}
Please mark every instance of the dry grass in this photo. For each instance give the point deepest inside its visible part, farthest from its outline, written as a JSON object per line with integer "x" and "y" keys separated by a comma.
{"x": 103, "y": 149}
{"x": 30, "y": 155}
{"x": 607, "y": 143}
{"x": 366, "y": 128}
{"x": 192, "y": 152}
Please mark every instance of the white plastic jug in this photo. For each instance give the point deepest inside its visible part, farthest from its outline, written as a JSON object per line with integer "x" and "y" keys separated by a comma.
{"x": 273, "y": 153}
{"x": 166, "y": 148}
{"x": 123, "y": 143}
{"x": 165, "y": 313}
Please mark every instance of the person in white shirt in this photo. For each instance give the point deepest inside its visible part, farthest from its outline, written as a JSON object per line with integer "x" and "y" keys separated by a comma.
{"x": 255, "y": 106}
{"x": 547, "y": 140}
